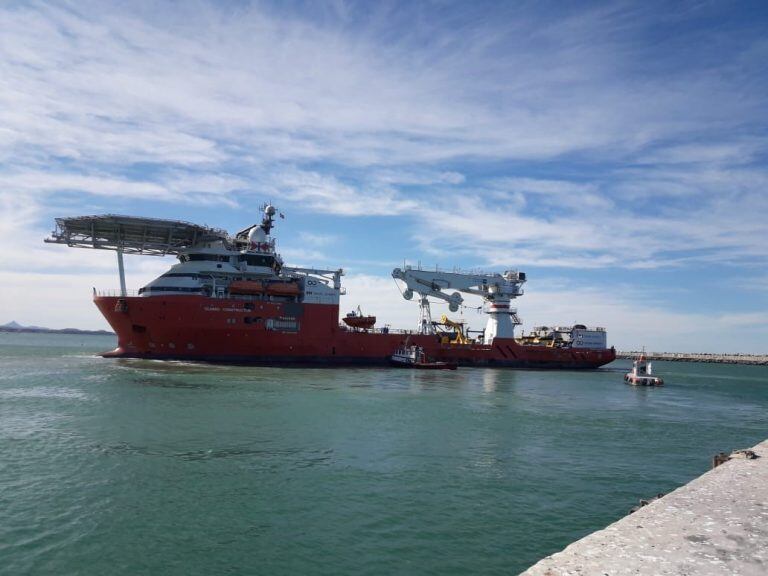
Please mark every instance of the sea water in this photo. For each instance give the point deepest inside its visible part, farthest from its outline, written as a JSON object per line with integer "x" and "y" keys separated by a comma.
{"x": 143, "y": 467}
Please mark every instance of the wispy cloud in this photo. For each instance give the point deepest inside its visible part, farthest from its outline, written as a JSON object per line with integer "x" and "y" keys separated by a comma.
{"x": 327, "y": 194}
{"x": 90, "y": 82}
{"x": 597, "y": 224}
{"x": 172, "y": 187}
{"x": 316, "y": 240}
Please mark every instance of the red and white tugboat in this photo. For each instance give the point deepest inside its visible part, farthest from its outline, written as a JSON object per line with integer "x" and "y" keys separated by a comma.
{"x": 414, "y": 357}
{"x": 230, "y": 298}
{"x": 642, "y": 373}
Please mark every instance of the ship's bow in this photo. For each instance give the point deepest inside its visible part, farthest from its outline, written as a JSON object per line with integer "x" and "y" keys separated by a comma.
{"x": 130, "y": 341}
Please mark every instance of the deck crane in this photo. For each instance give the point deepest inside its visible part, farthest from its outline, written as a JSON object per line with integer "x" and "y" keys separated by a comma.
{"x": 460, "y": 337}
{"x": 497, "y": 290}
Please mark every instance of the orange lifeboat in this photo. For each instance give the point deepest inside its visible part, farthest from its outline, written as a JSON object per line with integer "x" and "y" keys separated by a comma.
{"x": 283, "y": 288}
{"x": 355, "y": 319}
{"x": 246, "y": 287}
{"x": 364, "y": 322}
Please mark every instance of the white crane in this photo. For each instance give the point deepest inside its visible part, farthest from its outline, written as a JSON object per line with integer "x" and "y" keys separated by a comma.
{"x": 497, "y": 290}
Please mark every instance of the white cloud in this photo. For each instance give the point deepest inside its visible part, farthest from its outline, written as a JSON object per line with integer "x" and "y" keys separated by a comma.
{"x": 46, "y": 182}
{"x": 411, "y": 177}
{"x": 727, "y": 152}
{"x": 197, "y": 85}
{"x": 566, "y": 224}
{"x": 303, "y": 257}
{"x": 172, "y": 187}
{"x": 326, "y": 194}
{"x": 317, "y": 240}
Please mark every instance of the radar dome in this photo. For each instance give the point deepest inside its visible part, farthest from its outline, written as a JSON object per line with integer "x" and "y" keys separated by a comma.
{"x": 257, "y": 234}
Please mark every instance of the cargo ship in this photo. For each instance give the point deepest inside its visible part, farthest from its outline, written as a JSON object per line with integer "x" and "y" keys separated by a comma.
{"x": 231, "y": 298}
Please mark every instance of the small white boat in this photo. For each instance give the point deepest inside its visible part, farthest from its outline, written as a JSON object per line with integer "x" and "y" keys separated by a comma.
{"x": 642, "y": 373}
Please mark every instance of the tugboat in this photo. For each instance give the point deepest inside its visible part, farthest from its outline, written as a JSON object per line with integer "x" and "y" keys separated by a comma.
{"x": 413, "y": 356}
{"x": 355, "y": 319}
{"x": 642, "y": 373}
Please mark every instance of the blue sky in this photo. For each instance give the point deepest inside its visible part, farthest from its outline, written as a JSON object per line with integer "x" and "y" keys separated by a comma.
{"x": 616, "y": 152}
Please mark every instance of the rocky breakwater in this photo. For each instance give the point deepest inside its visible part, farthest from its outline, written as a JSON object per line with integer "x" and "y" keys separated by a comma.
{"x": 758, "y": 359}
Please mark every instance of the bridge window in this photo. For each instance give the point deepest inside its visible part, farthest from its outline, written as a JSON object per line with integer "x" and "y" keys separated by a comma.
{"x": 149, "y": 289}
{"x": 258, "y": 260}
{"x": 207, "y": 258}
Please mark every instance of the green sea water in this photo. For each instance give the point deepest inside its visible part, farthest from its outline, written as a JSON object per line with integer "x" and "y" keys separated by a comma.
{"x": 139, "y": 467}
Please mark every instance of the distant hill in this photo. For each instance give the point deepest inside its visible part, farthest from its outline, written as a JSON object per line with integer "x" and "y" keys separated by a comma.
{"x": 14, "y": 326}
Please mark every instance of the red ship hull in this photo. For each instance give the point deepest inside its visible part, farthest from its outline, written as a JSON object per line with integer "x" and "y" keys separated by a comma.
{"x": 258, "y": 332}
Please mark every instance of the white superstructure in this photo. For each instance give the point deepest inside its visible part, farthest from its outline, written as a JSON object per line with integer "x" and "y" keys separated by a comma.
{"x": 576, "y": 336}
{"x": 211, "y": 262}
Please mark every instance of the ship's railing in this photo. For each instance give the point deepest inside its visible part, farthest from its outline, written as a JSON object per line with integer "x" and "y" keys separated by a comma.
{"x": 225, "y": 296}
{"x": 383, "y": 330}
{"x": 402, "y": 332}
{"x": 114, "y": 292}
{"x": 253, "y": 297}
{"x": 565, "y": 328}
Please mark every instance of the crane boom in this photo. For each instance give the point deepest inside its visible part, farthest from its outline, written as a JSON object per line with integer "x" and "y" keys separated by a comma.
{"x": 497, "y": 290}
{"x": 489, "y": 286}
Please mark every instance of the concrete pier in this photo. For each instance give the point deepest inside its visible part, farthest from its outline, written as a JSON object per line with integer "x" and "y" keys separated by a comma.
{"x": 760, "y": 359}
{"x": 715, "y": 525}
